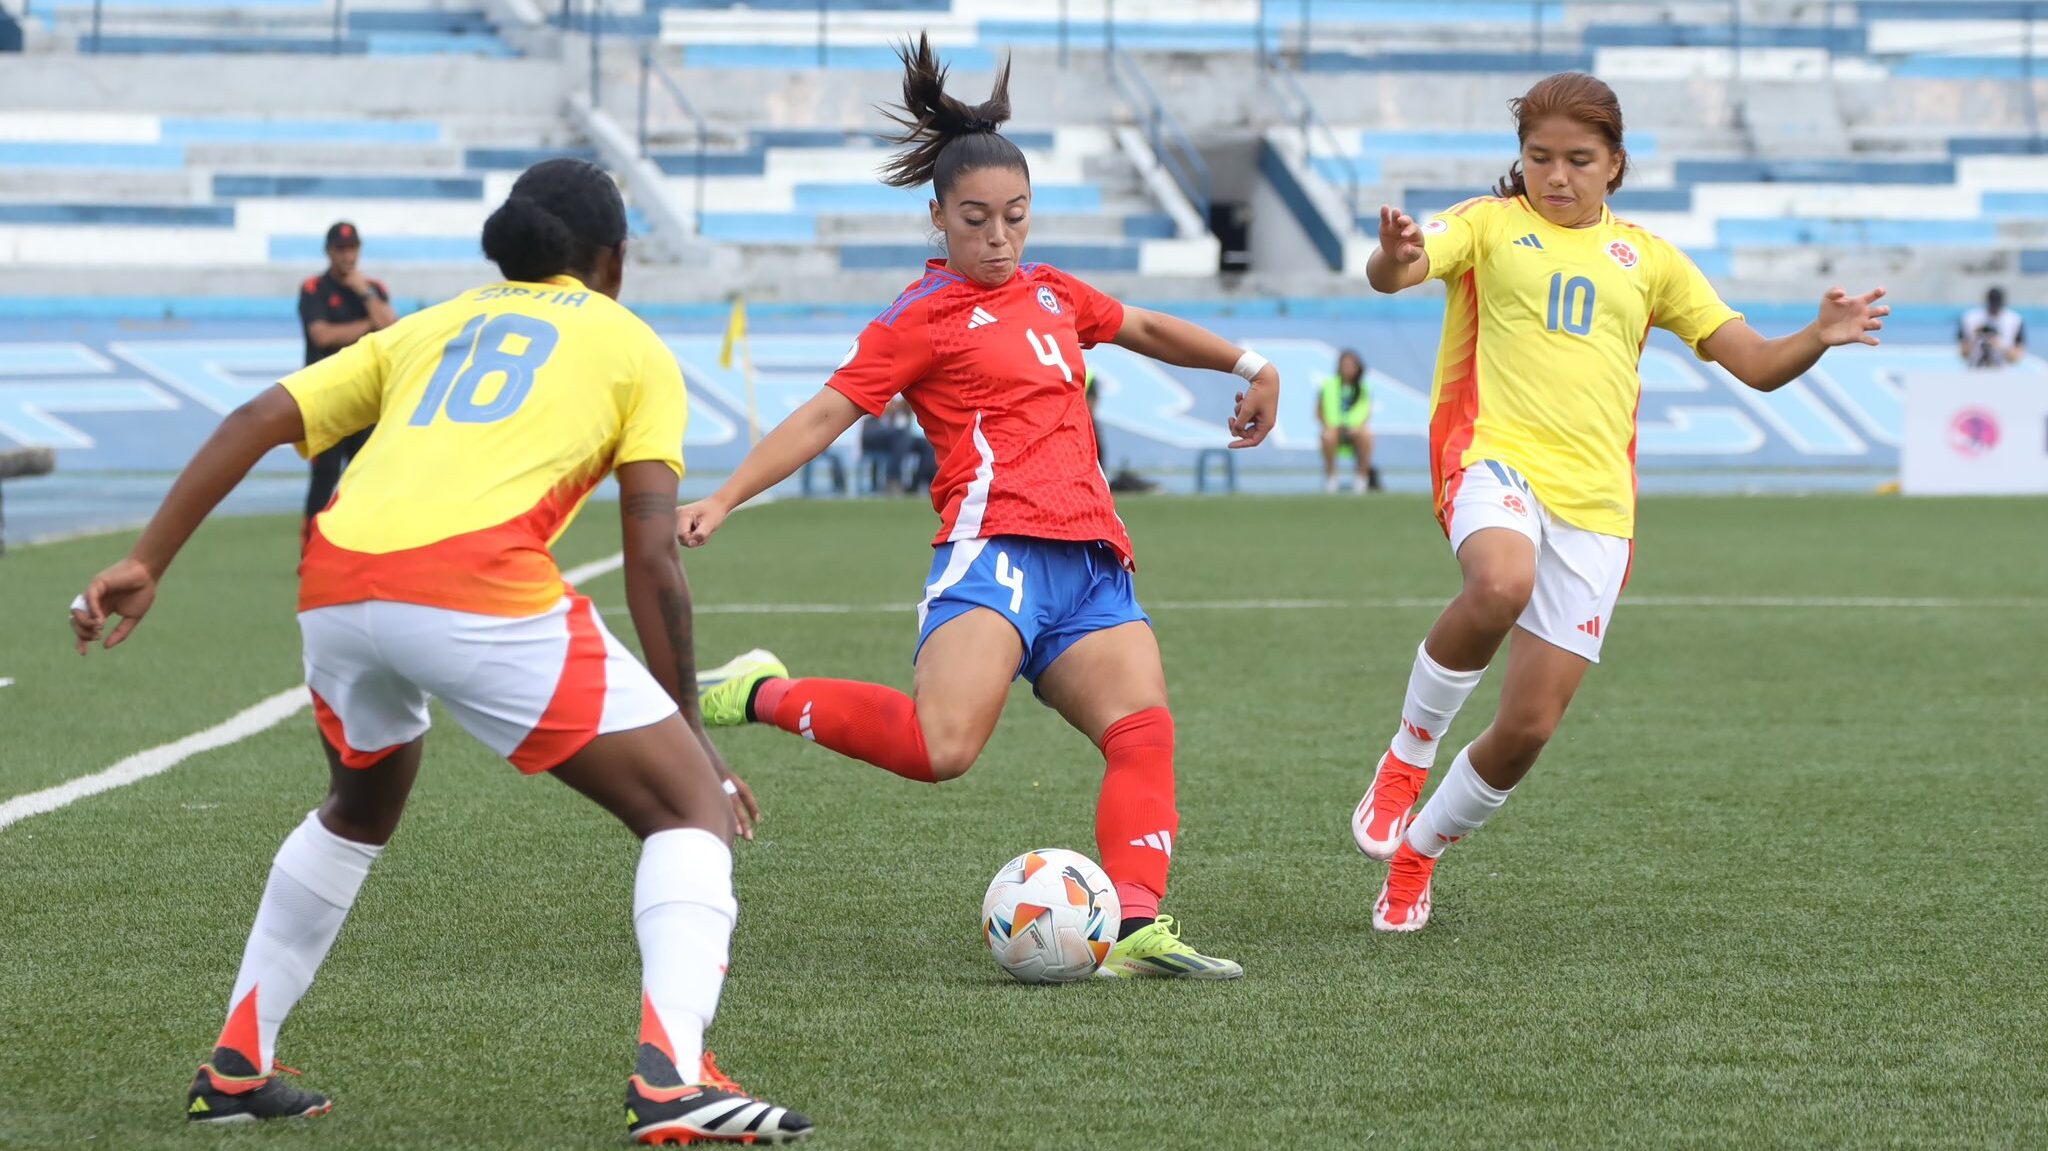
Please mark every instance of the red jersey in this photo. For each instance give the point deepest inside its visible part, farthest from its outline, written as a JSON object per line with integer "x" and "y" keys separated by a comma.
{"x": 996, "y": 379}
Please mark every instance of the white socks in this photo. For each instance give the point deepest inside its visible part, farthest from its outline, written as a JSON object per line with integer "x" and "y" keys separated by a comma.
{"x": 313, "y": 882}
{"x": 1435, "y": 693}
{"x": 683, "y": 913}
{"x": 1463, "y": 802}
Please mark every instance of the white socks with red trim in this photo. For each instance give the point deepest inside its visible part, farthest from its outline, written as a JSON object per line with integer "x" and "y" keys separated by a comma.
{"x": 1462, "y": 804}
{"x": 1435, "y": 693}
{"x": 313, "y": 882}
{"x": 683, "y": 913}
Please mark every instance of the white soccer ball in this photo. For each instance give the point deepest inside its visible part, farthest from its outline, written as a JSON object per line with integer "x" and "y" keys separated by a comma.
{"x": 1050, "y": 916}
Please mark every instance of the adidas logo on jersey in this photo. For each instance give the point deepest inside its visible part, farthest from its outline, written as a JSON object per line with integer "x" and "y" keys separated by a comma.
{"x": 1529, "y": 241}
{"x": 981, "y": 317}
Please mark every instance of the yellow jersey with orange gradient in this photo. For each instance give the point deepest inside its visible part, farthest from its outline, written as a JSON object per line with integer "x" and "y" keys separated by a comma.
{"x": 1543, "y": 334}
{"x": 497, "y": 413}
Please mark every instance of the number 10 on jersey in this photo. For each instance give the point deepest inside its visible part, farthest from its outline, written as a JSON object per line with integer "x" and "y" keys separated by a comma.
{"x": 1571, "y": 305}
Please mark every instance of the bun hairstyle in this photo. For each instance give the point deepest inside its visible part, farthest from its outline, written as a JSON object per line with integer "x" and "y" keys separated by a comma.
{"x": 1575, "y": 96}
{"x": 560, "y": 215}
{"x": 943, "y": 138}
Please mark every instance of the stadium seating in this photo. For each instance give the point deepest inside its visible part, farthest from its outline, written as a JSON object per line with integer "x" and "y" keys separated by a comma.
{"x": 792, "y": 191}
{"x": 163, "y": 190}
{"x": 1756, "y": 145}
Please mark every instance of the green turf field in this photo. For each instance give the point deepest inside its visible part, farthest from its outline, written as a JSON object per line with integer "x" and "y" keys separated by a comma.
{"x": 1779, "y": 881}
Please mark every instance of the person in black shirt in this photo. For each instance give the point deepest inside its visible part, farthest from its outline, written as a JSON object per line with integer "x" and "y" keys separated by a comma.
{"x": 337, "y": 308}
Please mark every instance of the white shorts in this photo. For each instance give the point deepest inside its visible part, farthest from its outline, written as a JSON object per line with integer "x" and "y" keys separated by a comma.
{"x": 1579, "y": 574}
{"x": 534, "y": 689}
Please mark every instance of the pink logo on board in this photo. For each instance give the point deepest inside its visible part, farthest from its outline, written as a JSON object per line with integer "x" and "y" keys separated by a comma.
{"x": 1973, "y": 432}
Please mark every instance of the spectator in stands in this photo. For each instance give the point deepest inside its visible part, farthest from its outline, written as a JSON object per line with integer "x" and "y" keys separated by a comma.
{"x": 890, "y": 441}
{"x": 337, "y": 308}
{"x": 1991, "y": 336}
{"x": 1343, "y": 409}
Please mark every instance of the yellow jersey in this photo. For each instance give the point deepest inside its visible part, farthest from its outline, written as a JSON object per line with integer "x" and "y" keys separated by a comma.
{"x": 497, "y": 413}
{"x": 1543, "y": 336}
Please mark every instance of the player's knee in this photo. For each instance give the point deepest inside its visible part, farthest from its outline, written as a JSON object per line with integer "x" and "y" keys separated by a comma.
{"x": 360, "y": 821}
{"x": 1521, "y": 736}
{"x": 951, "y": 760}
{"x": 1497, "y": 596}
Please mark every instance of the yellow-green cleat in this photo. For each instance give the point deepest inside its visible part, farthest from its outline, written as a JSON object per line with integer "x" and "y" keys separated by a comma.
{"x": 1156, "y": 952}
{"x": 723, "y": 692}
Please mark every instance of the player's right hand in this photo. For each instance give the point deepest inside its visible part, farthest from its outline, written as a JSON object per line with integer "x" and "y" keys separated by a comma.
{"x": 695, "y": 522}
{"x": 1400, "y": 235}
{"x": 126, "y": 589}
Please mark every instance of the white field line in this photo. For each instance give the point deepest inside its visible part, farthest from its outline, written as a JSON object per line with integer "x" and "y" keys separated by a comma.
{"x": 594, "y": 569}
{"x": 6, "y": 682}
{"x": 1862, "y": 603}
{"x": 157, "y": 760}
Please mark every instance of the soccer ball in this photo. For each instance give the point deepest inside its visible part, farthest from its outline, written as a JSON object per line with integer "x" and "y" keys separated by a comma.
{"x": 1050, "y": 916}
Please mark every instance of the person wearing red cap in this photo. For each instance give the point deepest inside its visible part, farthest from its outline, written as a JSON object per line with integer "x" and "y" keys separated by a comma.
{"x": 337, "y": 308}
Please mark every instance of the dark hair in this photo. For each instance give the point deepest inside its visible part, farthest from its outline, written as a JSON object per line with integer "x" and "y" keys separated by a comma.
{"x": 943, "y": 138}
{"x": 1994, "y": 299}
{"x": 1354, "y": 355}
{"x": 560, "y": 215}
{"x": 1573, "y": 95}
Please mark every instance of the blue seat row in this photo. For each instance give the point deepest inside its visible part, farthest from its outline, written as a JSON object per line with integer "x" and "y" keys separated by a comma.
{"x": 142, "y": 215}
{"x": 1815, "y": 172}
{"x": 110, "y": 157}
{"x": 1535, "y": 62}
{"x": 1857, "y": 233}
{"x": 1844, "y": 40}
{"x": 229, "y": 186}
{"x": 354, "y": 44}
{"x": 224, "y": 130}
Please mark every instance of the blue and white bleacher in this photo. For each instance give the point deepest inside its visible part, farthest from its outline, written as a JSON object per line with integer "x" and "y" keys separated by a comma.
{"x": 421, "y": 210}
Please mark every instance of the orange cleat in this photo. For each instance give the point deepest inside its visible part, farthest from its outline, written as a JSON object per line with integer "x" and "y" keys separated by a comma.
{"x": 1403, "y": 904}
{"x": 1382, "y": 816}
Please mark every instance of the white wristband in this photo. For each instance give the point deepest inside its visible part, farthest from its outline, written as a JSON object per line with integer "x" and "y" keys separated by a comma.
{"x": 1250, "y": 365}
{"x": 731, "y": 788}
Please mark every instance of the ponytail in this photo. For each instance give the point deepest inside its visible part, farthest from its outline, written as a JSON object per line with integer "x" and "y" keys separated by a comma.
{"x": 944, "y": 138}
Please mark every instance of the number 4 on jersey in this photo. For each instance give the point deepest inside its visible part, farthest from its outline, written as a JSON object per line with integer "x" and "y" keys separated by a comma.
{"x": 1048, "y": 351}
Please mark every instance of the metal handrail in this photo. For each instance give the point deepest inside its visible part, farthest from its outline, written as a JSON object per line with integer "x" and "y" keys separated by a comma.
{"x": 1171, "y": 144}
{"x": 1301, "y": 111}
{"x": 652, "y": 69}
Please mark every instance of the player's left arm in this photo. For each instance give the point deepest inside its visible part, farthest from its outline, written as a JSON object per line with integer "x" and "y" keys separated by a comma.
{"x": 1175, "y": 341}
{"x": 658, "y": 596}
{"x": 128, "y": 588}
{"x": 2018, "y": 350}
{"x": 1767, "y": 364}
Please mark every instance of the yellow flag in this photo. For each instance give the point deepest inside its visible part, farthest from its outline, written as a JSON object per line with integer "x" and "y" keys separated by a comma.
{"x": 735, "y": 332}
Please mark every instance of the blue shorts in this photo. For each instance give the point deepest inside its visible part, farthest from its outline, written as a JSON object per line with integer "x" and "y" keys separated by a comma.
{"x": 1054, "y": 592}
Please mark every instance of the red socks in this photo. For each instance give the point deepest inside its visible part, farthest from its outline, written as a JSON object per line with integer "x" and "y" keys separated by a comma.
{"x": 1135, "y": 820}
{"x": 867, "y": 721}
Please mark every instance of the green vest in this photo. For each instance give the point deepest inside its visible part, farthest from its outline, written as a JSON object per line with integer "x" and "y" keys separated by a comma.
{"x": 1335, "y": 414}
